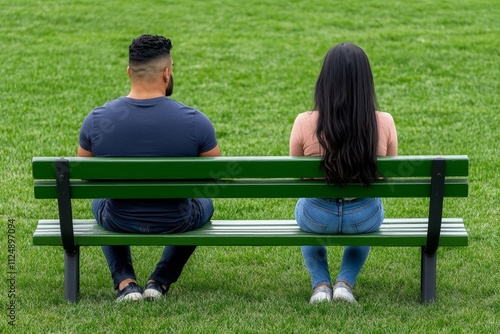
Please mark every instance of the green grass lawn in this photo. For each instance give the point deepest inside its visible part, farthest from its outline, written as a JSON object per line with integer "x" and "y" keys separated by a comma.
{"x": 251, "y": 67}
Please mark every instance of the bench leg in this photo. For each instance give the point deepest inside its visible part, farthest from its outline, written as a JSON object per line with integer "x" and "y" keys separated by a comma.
{"x": 428, "y": 277}
{"x": 72, "y": 275}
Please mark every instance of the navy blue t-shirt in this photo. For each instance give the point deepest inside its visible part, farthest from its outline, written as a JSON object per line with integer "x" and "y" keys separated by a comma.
{"x": 158, "y": 127}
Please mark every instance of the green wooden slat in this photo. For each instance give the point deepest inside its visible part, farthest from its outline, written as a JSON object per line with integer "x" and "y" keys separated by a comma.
{"x": 232, "y": 167}
{"x": 249, "y": 189}
{"x": 393, "y": 232}
{"x": 420, "y": 166}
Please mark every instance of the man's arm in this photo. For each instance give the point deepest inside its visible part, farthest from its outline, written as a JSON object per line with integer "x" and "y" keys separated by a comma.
{"x": 84, "y": 153}
{"x": 215, "y": 152}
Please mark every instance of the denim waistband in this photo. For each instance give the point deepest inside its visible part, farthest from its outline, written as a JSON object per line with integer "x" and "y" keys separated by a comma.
{"x": 340, "y": 200}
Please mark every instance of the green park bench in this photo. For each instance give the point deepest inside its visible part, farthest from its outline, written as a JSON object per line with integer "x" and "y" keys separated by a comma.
{"x": 65, "y": 179}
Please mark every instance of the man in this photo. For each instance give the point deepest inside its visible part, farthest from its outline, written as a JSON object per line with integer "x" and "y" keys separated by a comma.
{"x": 148, "y": 123}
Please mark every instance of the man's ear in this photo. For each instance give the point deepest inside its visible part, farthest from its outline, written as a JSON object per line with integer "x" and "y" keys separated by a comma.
{"x": 166, "y": 75}
{"x": 128, "y": 72}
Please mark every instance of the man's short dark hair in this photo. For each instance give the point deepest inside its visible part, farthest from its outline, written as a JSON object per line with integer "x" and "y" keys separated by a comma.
{"x": 147, "y": 48}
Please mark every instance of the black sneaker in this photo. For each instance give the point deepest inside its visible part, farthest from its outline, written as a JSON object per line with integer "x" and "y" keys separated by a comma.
{"x": 153, "y": 291}
{"x": 131, "y": 292}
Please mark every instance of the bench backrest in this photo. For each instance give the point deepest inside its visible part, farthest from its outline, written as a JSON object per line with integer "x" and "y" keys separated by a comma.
{"x": 239, "y": 177}
{"x": 242, "y": 177}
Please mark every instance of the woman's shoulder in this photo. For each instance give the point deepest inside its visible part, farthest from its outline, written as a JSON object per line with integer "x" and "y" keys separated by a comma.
{"x": 384, "y": 118}
{"x": 383, "y": 115}
{"x": 307, "y": 116}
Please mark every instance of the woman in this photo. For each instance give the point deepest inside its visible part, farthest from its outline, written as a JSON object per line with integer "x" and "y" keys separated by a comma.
{"x": 348, "y": 132}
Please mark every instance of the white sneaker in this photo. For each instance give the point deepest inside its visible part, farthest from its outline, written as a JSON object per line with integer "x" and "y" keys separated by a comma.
{"x": 322, "y": 293}
{"x": 342, "y": 291}
{"x": 153, "y": 291}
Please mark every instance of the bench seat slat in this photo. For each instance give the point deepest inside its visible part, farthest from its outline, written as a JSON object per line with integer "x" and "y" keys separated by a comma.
{"x": 394, "y": 232}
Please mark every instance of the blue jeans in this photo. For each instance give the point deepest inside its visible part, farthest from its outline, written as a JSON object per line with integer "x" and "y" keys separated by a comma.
{"x": 337, "y": 216}
{"x": 173, "y": 259}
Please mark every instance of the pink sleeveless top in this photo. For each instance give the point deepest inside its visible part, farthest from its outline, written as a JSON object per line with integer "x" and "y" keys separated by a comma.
{"x": 303, "y": 140}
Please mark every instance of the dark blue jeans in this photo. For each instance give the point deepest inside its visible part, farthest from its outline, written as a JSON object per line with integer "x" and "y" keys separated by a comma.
{"x": 173, "y": 259}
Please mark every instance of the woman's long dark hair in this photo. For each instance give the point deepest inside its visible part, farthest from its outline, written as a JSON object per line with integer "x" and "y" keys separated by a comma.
{"x": 347, "y": 123}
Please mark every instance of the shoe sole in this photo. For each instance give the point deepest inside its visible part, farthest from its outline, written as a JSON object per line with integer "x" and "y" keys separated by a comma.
{"x": 320, "y": 297}
{"x": 133, "y": 296}
{"x": 343, "y": 295}
{"x": 151, "y": 294}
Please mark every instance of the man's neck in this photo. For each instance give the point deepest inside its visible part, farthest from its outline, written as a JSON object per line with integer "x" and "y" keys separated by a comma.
{"x": 141, "y": 92}
{"x": 143, "y": 96}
